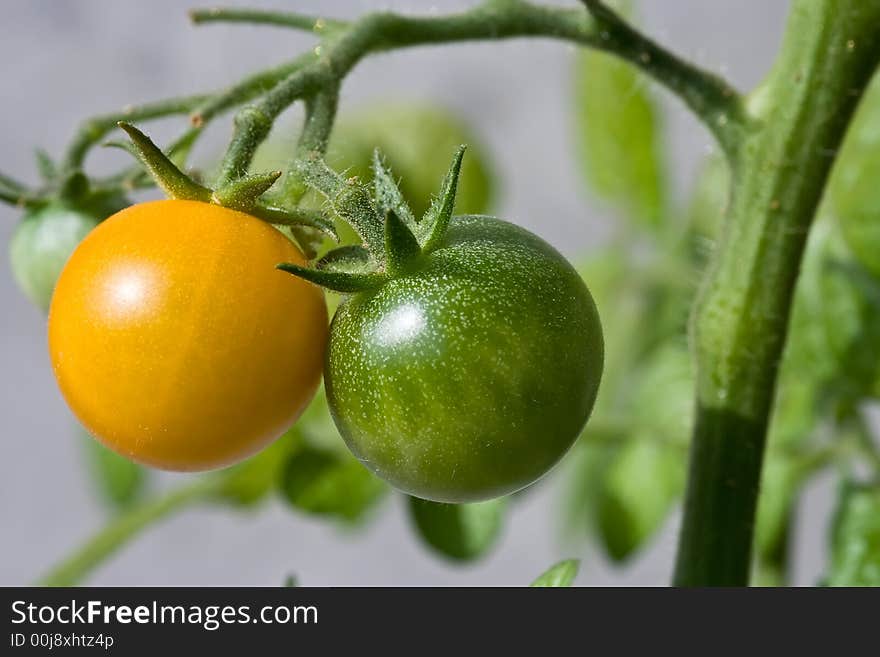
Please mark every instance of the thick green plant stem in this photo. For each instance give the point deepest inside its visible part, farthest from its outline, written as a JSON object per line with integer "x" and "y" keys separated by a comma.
{"x": 710, "y": 97}
{"x": 829, "y": 53}
{"x": 119, "y": 531}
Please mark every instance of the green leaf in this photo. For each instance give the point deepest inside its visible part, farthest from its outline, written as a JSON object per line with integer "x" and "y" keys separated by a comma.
{"x": 853, "y": 188}
{"x": 559, "y": 575}
{"x": 588, "y": 460}
{"x": 119, "y": 481}
{"x": 401, "y": 246}
{"x": 835, "y": 326}
{"x": 250, "y": 481}
{"x": 662, "y": 401}
{"x": 780, "y": 482}
{"x": 328, "y": 483}
{"x": 462, "y": 532}
{"x": 855, "y": 537}
{"x": 337, "y": 281}
{"x": 619, "y": 136}
{"x": 637, "y": 494}
{"x": 437, "y": 218}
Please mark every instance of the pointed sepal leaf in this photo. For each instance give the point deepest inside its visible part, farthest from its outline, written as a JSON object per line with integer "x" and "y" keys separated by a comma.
{"x": 349, "y": 199}
{"x": 440, "y": 213}
{"x": 75, "y": 187}
{"x": 352, "y": 258}
{"x": 389, "y": 198}
{"x": 21, "y": 201}
{"x": 560, "y": 575}
{"x": 401, "y": 246}
{"x": 338, "y": 281}
{"x": 242, "y": 193}
{"x": 167, "y": 175}
{"x": 46, "y": 165}
{"x": 11, "y": 185}
{"x": 294, "y": 217}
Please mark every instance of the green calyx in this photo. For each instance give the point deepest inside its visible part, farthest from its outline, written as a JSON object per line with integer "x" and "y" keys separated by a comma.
{"x": 393, "y": 240}
{"x": 245, "y": 194}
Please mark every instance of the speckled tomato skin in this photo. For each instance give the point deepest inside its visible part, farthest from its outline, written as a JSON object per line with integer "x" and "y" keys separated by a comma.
{"x": 470, "y": 377}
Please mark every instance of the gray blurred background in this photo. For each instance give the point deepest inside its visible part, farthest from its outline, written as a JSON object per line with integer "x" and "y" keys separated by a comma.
{"x": 65, "y": 60}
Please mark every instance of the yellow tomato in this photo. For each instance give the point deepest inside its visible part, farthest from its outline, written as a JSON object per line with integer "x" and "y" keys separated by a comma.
{"x": 177, "y": 343}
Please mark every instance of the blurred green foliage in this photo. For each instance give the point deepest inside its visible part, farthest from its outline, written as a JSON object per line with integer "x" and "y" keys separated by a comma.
{"x": 627, "y": 472}
{"x": 855, "y": 537}
{"x": 461, "y": 532}
{"x": 120, "y": 483}
{"x": 618, "y": 122}
{"x": 559, "y": 575}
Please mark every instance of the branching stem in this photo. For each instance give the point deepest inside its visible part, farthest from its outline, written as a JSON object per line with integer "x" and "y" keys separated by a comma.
{"x": 711, "y": 98}
{"x": 315, "y": 24}
{"x": 829, "y": 54}
{"x": 95, "y": 129}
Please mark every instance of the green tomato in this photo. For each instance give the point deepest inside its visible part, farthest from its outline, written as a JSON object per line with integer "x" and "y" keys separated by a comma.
{"x": 44, "y": 239}
{"x": 470, "y": 376}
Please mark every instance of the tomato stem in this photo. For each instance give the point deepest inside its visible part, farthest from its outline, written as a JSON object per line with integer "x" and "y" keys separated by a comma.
{"x": 93, "y": 130}
{"x": 711, "y": 98}
{"x": 320, "y": 115}
{"x": 126, "y": 526}
{"x": 739, "y": 326}
{"x": 317, "y": 24}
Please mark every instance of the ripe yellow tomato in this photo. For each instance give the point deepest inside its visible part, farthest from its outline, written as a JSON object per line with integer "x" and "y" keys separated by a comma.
{"x": 177, "y": 343}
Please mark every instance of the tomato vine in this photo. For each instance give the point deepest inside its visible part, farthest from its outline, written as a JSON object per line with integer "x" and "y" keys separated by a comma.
{"x": 780, "y": 143}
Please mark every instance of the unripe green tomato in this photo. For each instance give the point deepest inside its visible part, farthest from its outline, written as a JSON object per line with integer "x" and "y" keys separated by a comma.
{"x": 855, "y": 182}
{"x": 471, "y": 375}
{"x": 41, "y": 244}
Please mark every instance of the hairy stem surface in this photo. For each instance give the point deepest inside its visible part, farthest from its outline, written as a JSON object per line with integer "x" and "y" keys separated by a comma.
{"x": 829, "y": 53}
